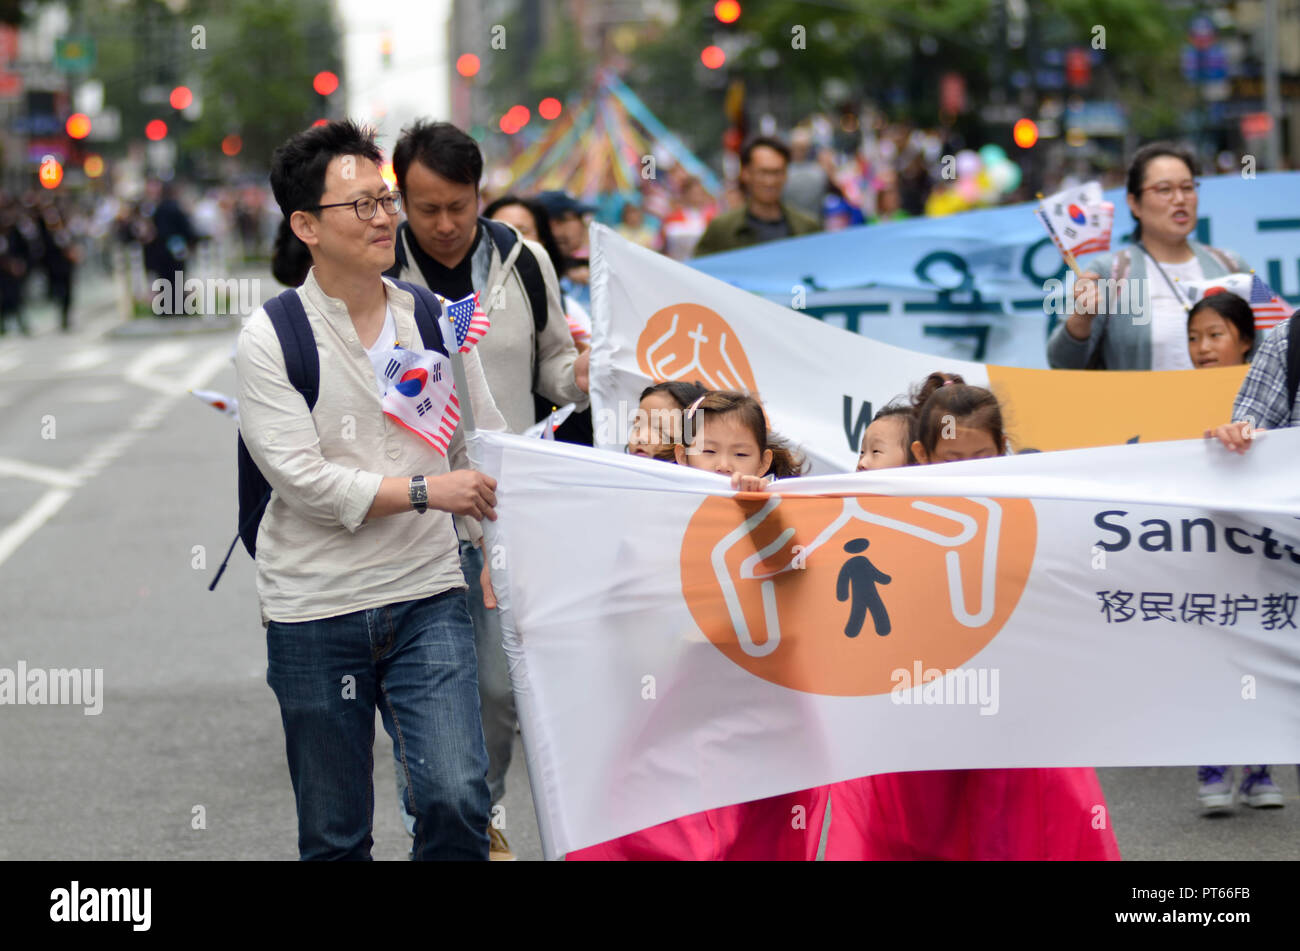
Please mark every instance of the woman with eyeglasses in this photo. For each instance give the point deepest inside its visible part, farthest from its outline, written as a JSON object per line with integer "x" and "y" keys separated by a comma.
{"x": 1130, "y": 311}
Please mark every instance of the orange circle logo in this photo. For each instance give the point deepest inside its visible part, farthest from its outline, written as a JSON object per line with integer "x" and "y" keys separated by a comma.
{"x": 835, "y": 595}
{"x": 691, "y": 342}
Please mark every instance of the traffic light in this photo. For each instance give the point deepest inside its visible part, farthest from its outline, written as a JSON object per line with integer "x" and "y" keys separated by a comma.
{"x": 727, "y": 11}
{"x": 325, "y": 83}
{"x": 181, "y": 98}
{"x": 1025, "y": 133}
{"x": 550, "y": 108}
{"x": 78, "y": 125}
{"x": 50, "y": 172}
{"x": 156, "y": 130}
{"x": 467, "y": 64}
{"x": 713, "y": 57}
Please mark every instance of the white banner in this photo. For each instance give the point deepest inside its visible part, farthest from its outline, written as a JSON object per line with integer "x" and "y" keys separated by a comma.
{"x": 655, "y": 319}
{"x": 675, "y": 647}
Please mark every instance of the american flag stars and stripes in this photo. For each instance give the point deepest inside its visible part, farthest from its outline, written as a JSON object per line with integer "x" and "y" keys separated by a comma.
{"x": 467, "y": 319}
{"x": 1268, "y": 308}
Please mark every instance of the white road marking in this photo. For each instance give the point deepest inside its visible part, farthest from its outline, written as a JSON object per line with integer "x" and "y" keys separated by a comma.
{"x": 95, "y": 394}
{"x": 143, "y": 370}
{"x": 27, "y": 524}
{"x": 86, "y": 359}
{"x": 44, "y": 474}
{"x": 110, "y": 449}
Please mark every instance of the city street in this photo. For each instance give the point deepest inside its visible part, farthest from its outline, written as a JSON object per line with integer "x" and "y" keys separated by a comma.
{"x": 117, "y": 502}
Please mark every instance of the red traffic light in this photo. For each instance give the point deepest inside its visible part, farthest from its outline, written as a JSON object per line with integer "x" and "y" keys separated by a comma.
{"x": 50, "y": 172}
{"x": 727, "y": 11}
{"x": 181, "y": 97}
{"x": 78, "y": 125}
{"x": 467, "y": 65}
{"x": 156, "y": 130}
{"x": 231, "y": 145}
{"x": 713, "y": 57}
{"x": 1025, "y": 133}
{"x": 549, "y": 108}
{"x": 325, "y": 82}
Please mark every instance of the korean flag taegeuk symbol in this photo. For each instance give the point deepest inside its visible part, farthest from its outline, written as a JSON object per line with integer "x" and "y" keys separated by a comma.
{"x": 421, "y": 395}
{"x": 1078, "y": 219}
{"x": 467, "y": 319}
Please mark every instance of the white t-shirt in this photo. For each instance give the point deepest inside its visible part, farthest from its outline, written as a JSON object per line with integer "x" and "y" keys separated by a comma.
{"x": 381, "y": 351}
{"x": 1169, "y": 313}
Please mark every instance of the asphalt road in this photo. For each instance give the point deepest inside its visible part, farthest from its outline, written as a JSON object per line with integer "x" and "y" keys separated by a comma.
{"x": 117, "y": 502}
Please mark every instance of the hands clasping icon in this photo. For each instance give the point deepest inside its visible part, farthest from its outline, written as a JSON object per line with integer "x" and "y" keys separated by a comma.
{"x": 852, "y": 511}
{"x": 718, "y": 380}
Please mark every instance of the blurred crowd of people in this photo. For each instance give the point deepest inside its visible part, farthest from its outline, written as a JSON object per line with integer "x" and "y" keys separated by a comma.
{"x": 162, "y": 232}
{"x": 39, "y": 236}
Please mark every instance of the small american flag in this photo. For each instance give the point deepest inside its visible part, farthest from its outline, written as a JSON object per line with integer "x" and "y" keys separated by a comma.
{"x": 467, "y": 319}
{"x": 1270, "y": 310}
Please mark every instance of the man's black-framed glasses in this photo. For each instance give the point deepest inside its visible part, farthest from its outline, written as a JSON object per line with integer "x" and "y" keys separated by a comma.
{"x": 365, "y": 206}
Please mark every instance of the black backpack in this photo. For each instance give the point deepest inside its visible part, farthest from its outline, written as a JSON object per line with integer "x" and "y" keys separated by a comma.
{"x": 302, "y": 363}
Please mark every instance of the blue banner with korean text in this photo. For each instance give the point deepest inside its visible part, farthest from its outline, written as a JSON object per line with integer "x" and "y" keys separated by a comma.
{"x": 979, "y": 285}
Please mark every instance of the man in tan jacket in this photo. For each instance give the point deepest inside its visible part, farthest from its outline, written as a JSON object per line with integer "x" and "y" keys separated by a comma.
{"x": 446, "y": 246}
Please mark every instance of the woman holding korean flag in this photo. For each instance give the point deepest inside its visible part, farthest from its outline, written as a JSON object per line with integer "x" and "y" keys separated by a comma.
{"x": 1144, "y": 283}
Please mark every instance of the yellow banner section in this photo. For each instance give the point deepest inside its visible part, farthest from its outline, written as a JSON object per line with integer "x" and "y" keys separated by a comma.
{"x": 1079, "y": 409}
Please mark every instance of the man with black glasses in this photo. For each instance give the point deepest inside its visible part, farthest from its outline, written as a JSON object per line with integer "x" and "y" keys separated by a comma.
{"x": 358, "y": 572}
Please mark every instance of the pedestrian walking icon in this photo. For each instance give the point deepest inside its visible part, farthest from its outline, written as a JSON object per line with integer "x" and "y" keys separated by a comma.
{"x": 857, "y": 584}
{"x": 829, "y": 594}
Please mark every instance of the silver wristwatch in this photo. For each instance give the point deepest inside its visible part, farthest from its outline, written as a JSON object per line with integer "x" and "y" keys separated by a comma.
{"x": 419, "y": 493}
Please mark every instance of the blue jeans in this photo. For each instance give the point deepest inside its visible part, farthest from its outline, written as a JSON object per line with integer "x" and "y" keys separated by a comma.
{"x": 496, "y": 693}
{"x": 416, "y": 661}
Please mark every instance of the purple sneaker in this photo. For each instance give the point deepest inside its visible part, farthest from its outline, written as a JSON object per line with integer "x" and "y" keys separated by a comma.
{"x": 1215, "y": 793}
{"x": 1258, "y": 790}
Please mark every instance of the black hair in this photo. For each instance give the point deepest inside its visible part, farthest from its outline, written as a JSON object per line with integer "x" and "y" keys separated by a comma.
{"x": 748, "y": 411}
{"x": 682, "y": 392}
{"x": 947, "y": 394}
{"x": 298, "y": 181}
{"x": 1234, "y": 310}
{"x": 766, "y": 141}
{"x": 541, "y": 221}
{"x": 1137, "y": 170}
{"x": 298, "y": 166}
{"x": 290, "y": 258}
{"x": 440, "y": 147}
{"x": 904, "y": 409}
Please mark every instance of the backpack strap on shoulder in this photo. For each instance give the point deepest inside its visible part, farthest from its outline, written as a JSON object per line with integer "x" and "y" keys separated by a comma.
{"x": 427, "y": 312}
{"x": 530, "y": 271}
{"x": 301, "y": 359}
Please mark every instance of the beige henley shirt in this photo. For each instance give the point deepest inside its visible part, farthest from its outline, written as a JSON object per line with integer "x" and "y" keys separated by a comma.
{"x": 317, "y": 557}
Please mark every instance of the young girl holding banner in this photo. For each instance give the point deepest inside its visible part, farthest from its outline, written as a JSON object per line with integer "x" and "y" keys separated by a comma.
{"x": 968, "y": 814}
{"x": 727, "y": 433}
